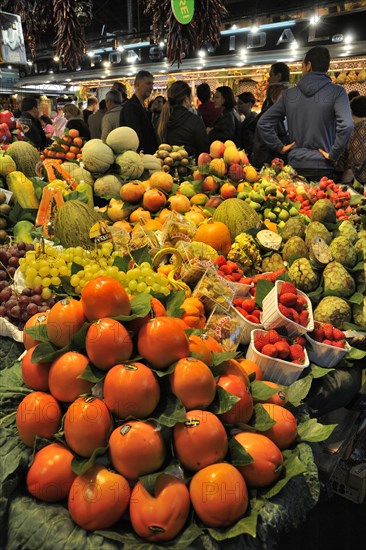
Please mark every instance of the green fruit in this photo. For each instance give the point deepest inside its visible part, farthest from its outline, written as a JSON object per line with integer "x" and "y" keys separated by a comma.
{"x": 255, "y": 205}
{"x": 294, "y": 248}
{"x": 272, "y": 263}
{"x": 187, "y": 189}
{"x": 333, "y": 310}
{"x": 303, "y": 275}
{"x": 343, "y": 251}
{"x": 347, "y": 229}
{"x": 323, "y": 211}
{"x": 317, "y": 229}
{"x": 294, "y": 227}
{"x": 284, "y": 215}
{"x": 338, "y": 281}
{"x": 359, "y": 313}
{"x": 293, "y": 211}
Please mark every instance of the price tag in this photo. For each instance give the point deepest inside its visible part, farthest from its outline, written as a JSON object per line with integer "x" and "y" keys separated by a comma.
{"x": 183, "y": 10}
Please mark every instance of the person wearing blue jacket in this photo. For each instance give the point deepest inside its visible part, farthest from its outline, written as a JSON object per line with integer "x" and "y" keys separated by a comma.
{"x": 318, "y": 118}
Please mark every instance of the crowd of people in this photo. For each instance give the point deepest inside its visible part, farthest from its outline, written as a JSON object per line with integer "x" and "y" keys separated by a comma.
{"x": 314, "y": 126}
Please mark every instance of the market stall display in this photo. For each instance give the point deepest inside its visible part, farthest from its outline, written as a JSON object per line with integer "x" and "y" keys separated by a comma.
{"x": 157, "y": 303}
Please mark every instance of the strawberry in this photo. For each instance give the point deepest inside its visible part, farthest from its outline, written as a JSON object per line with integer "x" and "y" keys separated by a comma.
{"x": 237, "y": 302}
{"x": 287, "y": 299}
{"x": 338, "y": 334}
{"x": 236, "y": 276}
{"x": 318, "y": 334}
{"x": 257, "y": 313}
{"x": 249, "y": 305}
{"x": 288, "y": 287}
{"x": 259, "y": 341}
{"x": 328, "y": 342}
{"x": 300, "y": 340}
{"x": 231, "y": 265}
{"x": 220, "y": 260}
{"x": 241, "y": 311}
{"x": 224, "y": 269}
{"x": 246, "y": 280}
{"x": 252, "y": 318}
{"x": 293, "y": 315}
{"x": 272, "y": 336}
{"x": 284, "y": 310}
{"x": 304, "y": 318}
{"x": 328, "y": 331}
{"x": 338, "y": 344}
{"x": 301, "y": 304}
{"x": 297, "y": 353}
{"x": 283, "y": 349}
{"x": 270, "y": 350}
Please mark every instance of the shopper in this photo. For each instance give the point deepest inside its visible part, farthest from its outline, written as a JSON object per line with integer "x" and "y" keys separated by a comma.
{"x": 279, "y": 74}
{"x": 353, "y": 160}
{"x": 227, "y": 126}
{"x": 95, "y": 121}
{"x": 352, "y": 94}
{"x": 245, "y": 103}
{"x": 261, "y": 153}
{"x": 75, "y": 120}
{"x": 155, "y": 107}
{"x": 48, "y": 128}
{"x": 91, "y": 107}
{"x": 207, "y": 109}
{"x": 318, "y": 117}
{"x": 30, "y": 116}
{"x": 177, "y": 125}
{"x": 135, "y": 115}
{"x": 59, "y": 121}
{"x": 113, "y": 101}
{"x": 122, "y": 90}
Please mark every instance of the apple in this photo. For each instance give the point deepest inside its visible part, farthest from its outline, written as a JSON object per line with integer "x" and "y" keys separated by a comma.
{"x": 210, "y": 185}
{"x": 231, "y": 155}
{"x": 236, "y": 172}
{"x": 199, "y": 199}
{"x": 153, "y": 200}
{"x": 179, "y": 203}
{"x": 203, "y": 159}
{"x": 139, "y": 214}
{"x": 197, "y": 176}
{"x": 243, "y": 158}
{"x": 132, "y": 191}
{"x": 187, "y": 189}
{"x": 228, "y": 191}
{"x": 217, "y": 149}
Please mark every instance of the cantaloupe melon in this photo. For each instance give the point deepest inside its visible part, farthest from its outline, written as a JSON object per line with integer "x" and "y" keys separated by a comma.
{"x": 121, "y": 139}
{"x": 237, "y": 215}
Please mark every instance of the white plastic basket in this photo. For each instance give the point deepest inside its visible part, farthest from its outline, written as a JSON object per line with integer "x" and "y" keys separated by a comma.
{"x": 277, "y": 370}
{"x": 325, "y": 355}
{"x": 239, "y": 289}
{"x": 246, "y": 328}
{"x": 273, "y": 318}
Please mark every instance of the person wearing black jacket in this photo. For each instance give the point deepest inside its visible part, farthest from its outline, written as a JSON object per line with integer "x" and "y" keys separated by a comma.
{"x": 30, "y": 113}
{"x": 179, "y": 126}
{"x": 136, "y": 116}
{"x": 227, "y": 126}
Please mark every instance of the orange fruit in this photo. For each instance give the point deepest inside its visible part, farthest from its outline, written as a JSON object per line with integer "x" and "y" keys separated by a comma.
{"x": 251, "y": 368}
{"x": 108, "y": 343}
{"x": 233, "y": 367}
{"x": 278, "y": 398}
{"x": 64, "y": 320}
{"x": 198, "y": 346}
{"x": 104, "y": 297}
{"x": 35, "y": 375}
{"x": 64, "y": 382}
{"x": 193, "y": 383}
{"x": 36, "y": 321}
{"x": 199, "y": 441}
{"x": 267, "y": 459}
{"x": 73, "y": 133}
{"x": 38, "y": 414}
{"x": 219, "y": 495}
{"x": 242, "y": 410}
{"x": 284, "y": 432}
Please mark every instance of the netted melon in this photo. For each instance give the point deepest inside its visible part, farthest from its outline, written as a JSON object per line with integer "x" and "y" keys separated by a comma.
{"x": 237, "y": 215}
{"x": 25, "y": 157}
{"x": 73, "y": 222}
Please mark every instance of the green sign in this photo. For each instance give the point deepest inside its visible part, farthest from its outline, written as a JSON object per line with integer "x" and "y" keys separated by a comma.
{"x": 183, "y": 10}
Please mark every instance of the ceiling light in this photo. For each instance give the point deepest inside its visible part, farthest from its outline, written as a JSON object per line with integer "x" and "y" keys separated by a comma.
{"x": 68, "y": 79}
{"x": 103, "y": 76}
{"x": 201, "y": 53}
{"x": 254, "y": 29}
{"x": 314, "y": 20}
{"x": 106, "y": 64}
{"x": 162, "y": 43}
{"x": 90, "y": 54}
{"x": 234, "y": 27}
{"x": 9, "y": 67}
{"x": 294, "y": 45}
{"x": 243, "y": 52}
{"x": 56, "y": 58}
{"x": 348, "y": 39}
{"x": 29, "y": 62}
{"x": 120, "y": 48}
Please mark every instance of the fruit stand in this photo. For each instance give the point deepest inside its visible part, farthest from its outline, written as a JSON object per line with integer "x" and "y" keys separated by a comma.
{"x": 164, "y": 320}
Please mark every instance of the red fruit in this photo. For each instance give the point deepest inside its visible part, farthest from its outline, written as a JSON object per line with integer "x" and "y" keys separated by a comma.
{"x": 304, "y": 318}
{"x": 225, "y": 269}
{"x": 300, "y": 340}
{"x": 238, "y": 302}
{"x": 252, "y": 318}
{"x": 257, "y": 313}
{"x": 287, "y": 299}
{"x": 246, "y": 280}
{"x": 284, "y": 310}
{"x": 220, "y": 260}
{"x": 288, "y": 287}
{"x": 328, "y": 331}
{"x": 259, "y": 342}
{"x": 242, "y": 311}
{"x": 249, "y": 305}
{"x": 232, "y": 265}
{"x": 283, "y": 349}
{"x": 338, "y": 334}
{"x": 293, "y": 315}
{"x": 236, "y": 276}
{"x": 301, "y": 304}
{"x": 328, "y": 342}
{"x": 272, "y": 336}
{"x": 297, "y": 353}
{"x": 270, "y": 350}
{"x": 338, "y": 344}
{"x": 318, "y": 334}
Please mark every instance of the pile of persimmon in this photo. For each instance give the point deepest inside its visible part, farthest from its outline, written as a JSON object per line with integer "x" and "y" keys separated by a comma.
{"x": 66, "y": 147}
{"x": 120, "y": 418}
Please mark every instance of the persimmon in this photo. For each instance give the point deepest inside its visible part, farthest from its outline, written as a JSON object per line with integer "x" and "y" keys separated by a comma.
{"x": 233, "y": 367}
{"x": 36, "y": 321}
{"x": 219, "y": 495}
{"x": 284, "y": 432}
{"x": 35, "y": 375}
{"x": 104, "y": 297}
{"x": 38, "y": 414}
{"x": 64, "y": 376}
{"x": 74, "y": 149}
{"x": 65, "y": 319}
{"x": 136, "y": 448}
{"x": 131, "y": 390}
{"x": 193, "y": 383}
{"x": 73, "y": 133}
{"x": 78, "y": 142}
{"x": 242, "y": 411}
{"x": 252, "y": 369}
{"x": 199, "y": 347}
{"x": 162, "y": 341}
{"x": 70, "y": 156}
{"x": 213, "y": 344}
{"x": 267, "y": 459}
{"x": 108, "y": 343}
{"x": 200, "y": 440}
{"x": 278, "y": 398}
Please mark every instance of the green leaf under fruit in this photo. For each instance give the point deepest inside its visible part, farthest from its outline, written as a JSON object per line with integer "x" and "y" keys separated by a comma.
{"x": 174, "y": 302}
{"x": 356, "y": 298}
{"x": 38, "y": 332}
{"x": 312, "y": 431}
{"x": 149, "y": 480}
{"x": 292, "y": 467}
{"x": 122, "y": 263}
{"x": 81, "y": 465}
{"x": 75, "y": 268}
{"x": 223, "y": 401}
{"x": 141, "y": 255}
{"x": 238, "y": 455}
{"x": 261, "y": 420}
{"x": 47, "y": 353}
{"x": 92, "y": 374}
{"x": 318, "y": 372}
{"x": 260, "y": 391}
{"x": 169, "y": 411}
{"x": 298, "y": 390}
{"x": 356, "y": 354}
{"x": 220, "y": 358}
{"x": 262, "y": 289}
{"x": 140, "y": 307}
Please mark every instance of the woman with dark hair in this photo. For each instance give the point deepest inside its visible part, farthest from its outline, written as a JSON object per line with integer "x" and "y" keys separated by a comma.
{"x": 47, "y": 127}
{"x": 75, "y": 120}
{"x": 227, "y": 126}
{"x": 155, "y": 108}
{"x": 177, "y": 125}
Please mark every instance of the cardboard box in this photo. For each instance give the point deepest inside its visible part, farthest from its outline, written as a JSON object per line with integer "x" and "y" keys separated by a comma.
{"x": 349, "y": 481}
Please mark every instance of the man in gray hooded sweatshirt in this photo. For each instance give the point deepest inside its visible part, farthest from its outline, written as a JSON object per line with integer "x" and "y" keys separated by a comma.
{"x": 319, "y": 119}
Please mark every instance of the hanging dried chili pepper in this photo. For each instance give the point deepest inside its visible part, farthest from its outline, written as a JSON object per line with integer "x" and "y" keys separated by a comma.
{"x": 204, "y": 27}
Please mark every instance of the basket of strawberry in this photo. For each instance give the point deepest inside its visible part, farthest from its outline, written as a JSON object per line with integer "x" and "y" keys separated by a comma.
{"x": 285, "y": 306}
{"x": 233, "y": 275}
{"x": 250, "y": 314}
{"x": 281, "y": 358}
{"x": 327, "y": 345}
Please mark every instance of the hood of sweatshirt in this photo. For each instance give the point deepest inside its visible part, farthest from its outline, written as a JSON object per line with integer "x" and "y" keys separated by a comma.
{"x": 178, "y": 117}
{"x": 311, "y": 83}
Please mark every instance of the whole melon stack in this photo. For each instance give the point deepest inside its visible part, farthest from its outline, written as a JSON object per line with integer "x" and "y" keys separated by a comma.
{"x": 130, "y": 165}
{"x": 25, "y": 157}
{"x": 121, "y": 139}
{"x": 97, "y": 156}
{"x": 73, "y": 222}
{"x": 237, "y": 215}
